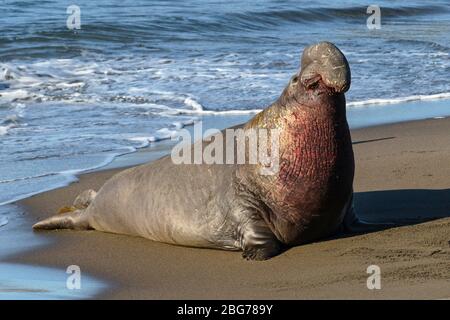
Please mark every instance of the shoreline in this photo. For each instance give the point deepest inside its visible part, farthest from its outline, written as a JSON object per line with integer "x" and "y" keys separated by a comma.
{"x": 398, "y": 172}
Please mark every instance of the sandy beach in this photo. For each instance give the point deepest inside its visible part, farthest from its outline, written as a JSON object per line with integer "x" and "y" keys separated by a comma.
{"x": 402, "y": 175}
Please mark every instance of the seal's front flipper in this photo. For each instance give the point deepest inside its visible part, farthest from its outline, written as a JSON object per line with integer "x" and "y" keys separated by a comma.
{"x": 69, "y": 220}
{"x": 257, "y": 240}
{"x": 268, "y": 250}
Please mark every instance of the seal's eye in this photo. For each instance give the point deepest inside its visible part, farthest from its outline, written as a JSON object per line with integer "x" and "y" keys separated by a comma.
{"x": 294, "y": 80}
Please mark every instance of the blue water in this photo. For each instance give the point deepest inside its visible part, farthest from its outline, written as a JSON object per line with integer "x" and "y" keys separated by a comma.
{"x": 137, "y": 71}
{"x": 19, "y": 281}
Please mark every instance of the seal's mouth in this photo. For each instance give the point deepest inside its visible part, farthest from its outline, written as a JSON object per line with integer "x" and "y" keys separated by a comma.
{"x": 315, "y": 84}
{"x": 312, "y": 83}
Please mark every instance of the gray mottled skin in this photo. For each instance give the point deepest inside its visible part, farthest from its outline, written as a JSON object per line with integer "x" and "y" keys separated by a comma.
{"x": 233, "y": 207}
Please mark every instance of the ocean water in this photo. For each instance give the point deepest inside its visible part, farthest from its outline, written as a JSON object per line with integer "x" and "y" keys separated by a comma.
{"x": 30, "y": 282}
{"x": 138, "y": 71}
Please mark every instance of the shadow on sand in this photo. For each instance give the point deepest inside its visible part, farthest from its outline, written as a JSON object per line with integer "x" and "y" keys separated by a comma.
{"x": 409, "y": 206}
{"x": 397, "y": 208}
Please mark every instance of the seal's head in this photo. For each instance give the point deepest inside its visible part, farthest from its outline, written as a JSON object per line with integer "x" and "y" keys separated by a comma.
{"x": 324, "y": 71}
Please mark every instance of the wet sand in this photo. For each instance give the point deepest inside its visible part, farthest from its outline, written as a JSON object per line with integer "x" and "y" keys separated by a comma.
{"x": 402, "y": 175}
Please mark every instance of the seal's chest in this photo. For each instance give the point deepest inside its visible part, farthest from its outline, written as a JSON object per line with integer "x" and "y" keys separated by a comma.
{"x": 309, "y": 153}
{"x": 316, "y": 163}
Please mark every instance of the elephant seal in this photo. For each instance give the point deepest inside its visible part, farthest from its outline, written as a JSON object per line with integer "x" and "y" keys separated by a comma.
{"x": 234, "y": 207}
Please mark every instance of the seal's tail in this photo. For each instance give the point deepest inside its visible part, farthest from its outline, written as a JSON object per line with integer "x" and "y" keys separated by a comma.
{"x": 70, "y": 217}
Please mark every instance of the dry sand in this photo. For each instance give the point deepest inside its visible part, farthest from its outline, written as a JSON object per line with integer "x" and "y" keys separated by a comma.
{"x": 403, "y": 175}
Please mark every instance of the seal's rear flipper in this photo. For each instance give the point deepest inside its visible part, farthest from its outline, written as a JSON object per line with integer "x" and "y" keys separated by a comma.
{"x": 69, "y": 220}
{"x": 70, "y": 217}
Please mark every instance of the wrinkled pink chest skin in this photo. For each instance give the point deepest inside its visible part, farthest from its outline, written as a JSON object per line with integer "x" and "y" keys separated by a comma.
{"x": 306, "y": 199}
{"x": 316, "y": 172}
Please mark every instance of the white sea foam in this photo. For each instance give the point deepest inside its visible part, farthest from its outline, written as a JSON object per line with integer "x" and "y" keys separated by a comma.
{"x": 161, "y": 134}
{"x": 70, "y": 85}
{"x": 181, "y": 124}
{"x": 145, "y": 141}
{"x": 193, "y": 104}
{"x": 4, "y": 129}
{"x": 164, "y": 134}
{"x": 12, "y": 95}
{"x": 443, "y": 95}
